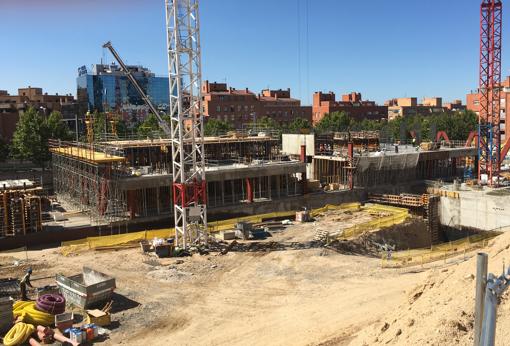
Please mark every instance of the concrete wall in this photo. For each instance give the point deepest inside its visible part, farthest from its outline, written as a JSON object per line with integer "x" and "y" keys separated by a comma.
{"x": 476, "y": 209}
{"x": 311, "y": 201}
{"x": 291, "y": 144}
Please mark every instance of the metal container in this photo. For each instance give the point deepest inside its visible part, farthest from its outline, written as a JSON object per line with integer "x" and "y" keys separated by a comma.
{"x": 9, "y": 288}
{"x": 87, "y": 289}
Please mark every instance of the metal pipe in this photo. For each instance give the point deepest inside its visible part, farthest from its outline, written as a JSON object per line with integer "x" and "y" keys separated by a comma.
{"x": 488, "y": 336}
{"x": 481, "y": 282}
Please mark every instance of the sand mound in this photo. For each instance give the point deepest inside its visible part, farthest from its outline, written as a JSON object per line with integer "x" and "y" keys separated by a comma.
{"x": 441, "y": 310}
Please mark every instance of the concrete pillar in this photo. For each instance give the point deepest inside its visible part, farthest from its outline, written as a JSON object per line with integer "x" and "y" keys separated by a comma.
{"x": 350, "y": 153}
{"x": 157, "y": 200}
{"x": 304, "y": 180}
{"x": 222, "y": 188}
{"x": 269, "y": 180}
{"x": 454, "y": 166}
{"x": 131, "y": 204}
{"x": 249, "y": 190}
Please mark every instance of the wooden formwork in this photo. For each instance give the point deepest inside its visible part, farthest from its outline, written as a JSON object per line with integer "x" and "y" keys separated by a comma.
{"x": 20, "y": 213}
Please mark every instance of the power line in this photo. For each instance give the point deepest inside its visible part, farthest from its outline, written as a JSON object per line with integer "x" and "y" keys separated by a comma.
{"x": 308, "y": 51}
{"x": 299, "y": 47}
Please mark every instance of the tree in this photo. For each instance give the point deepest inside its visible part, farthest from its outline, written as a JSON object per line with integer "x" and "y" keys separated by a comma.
{"x": 298, "y": 125}
{"x": 150, "y": 127}
{"x": 30, "y": 139}
{"x": 4, "y": 150}
{"x": 215, "y": 127}
{"x": 57, "y": 128}
{"x": 334, "y": 122}
{"x": 99, "y": 125}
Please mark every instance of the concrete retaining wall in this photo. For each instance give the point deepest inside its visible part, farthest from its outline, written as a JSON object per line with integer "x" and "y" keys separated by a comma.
{"x": 476, "y": 209}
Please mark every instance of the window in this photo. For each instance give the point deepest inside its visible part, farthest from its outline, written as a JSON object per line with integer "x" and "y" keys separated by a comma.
{"x": 239, "y": 107}
{"x": 218, "y": 109}
{"x": 232, "y": 108}
{"x": 246, "y": 108}
{"x": 476, "y": 102}
{"x": 225, "y": 109}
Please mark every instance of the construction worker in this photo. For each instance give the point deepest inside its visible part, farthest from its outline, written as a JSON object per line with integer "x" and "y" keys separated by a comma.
{"x": 25, "y": 281}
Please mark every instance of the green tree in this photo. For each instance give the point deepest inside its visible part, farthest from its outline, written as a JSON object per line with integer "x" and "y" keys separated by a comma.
{"x": 100, "y": 126}
{"x": 57, "y": 128}
{"x": 298, "y": 125}
{"x": 334, "y": 122}
{"x": 4, "y": 150}
{"x": 215, "y": 127}
{"x": 30, "y": 139}
{"x": 150, "y": 127}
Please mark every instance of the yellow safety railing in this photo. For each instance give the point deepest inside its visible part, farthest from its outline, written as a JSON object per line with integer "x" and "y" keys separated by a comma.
{"x": 435, "y": 253}
{"x": 69, "y": 247}
{"x": 396, "y": 216}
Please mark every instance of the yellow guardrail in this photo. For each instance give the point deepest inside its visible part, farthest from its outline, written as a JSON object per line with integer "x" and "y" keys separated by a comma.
{"x": 69, "y": 247}
{"x": 435, "y": 253}
{"x": 396, "y": 216}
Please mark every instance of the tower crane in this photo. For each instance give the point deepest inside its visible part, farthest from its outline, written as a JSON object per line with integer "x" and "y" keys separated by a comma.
{"x": 186, "y": 128}
{"x": 187, "y": 124}
{"x": 489, "y": 119}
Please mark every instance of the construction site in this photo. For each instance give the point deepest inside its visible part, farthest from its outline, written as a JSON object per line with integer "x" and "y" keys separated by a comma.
{"x": 260, "y": 238}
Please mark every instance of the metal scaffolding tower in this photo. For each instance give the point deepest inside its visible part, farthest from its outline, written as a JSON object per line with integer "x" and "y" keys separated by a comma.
{"x": 489, "y": 120}
{"x": 184, "y": 68}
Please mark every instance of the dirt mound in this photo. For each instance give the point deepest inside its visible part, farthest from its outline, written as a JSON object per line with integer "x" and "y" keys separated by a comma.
{"x": 441, "y": 310}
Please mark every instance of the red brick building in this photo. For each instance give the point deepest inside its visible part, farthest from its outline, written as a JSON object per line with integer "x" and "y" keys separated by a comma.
{"x": 240, "y": 107}
{"x": 473, "y": 104}
{"x": 352, "y": 104}
{"x": 12, "y": 106}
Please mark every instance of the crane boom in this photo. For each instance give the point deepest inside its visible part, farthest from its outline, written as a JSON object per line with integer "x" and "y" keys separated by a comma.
{"x": 162, "y": 123}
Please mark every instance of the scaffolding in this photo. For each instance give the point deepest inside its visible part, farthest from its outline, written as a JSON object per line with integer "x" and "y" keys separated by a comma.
{"x": 87, "y": 180}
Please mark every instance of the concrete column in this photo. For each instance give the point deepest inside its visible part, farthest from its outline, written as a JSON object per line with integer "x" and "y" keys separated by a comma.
{"x": 222, "y": 188}
{"x": 304, "y": 180}
{"x": 249, "y": 190}
{"x": 269, "y": 180}
{"x": 350, "y": 152}
{"x": 131, "y": 204}
{"x": 157, "y": 200}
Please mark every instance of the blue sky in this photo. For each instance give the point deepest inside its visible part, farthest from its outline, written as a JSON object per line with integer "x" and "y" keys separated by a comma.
{"x": 383, "y": 49}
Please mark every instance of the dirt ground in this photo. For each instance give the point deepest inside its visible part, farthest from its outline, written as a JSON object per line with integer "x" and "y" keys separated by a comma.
{"x": 311, "y": 296}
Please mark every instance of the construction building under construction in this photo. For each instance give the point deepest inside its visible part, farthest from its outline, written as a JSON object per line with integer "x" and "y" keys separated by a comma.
{"x": 125, "y": 180}
{"x": 341, "y": 160}
{"x": 131, "y": 179}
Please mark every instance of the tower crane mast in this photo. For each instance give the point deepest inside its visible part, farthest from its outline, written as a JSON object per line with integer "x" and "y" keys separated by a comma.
{"x": 187, "y": 126}
{"x": 489, "y": 119}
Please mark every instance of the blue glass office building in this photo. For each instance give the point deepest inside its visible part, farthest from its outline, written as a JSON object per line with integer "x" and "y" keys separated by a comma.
{"x": 106, "y": 88}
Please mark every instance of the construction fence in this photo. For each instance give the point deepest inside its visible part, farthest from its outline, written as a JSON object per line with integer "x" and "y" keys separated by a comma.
{"x": 392, "y": 216}
{"x": 127, "y": 239}
{"x": 441, "y": 252}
